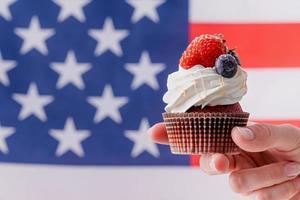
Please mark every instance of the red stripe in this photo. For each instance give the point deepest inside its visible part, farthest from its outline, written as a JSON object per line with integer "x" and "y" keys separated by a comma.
{"x": 194, "y": 161}
{"x": 259, "y": 45}
{"x": 295, "y": 122}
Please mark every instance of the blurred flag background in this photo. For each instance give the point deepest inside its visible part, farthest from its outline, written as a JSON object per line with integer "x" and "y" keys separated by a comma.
{"x": 81, "y": 81}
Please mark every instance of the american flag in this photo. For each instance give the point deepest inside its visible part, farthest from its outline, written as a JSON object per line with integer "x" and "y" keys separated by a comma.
{"x": 81, "y": 81}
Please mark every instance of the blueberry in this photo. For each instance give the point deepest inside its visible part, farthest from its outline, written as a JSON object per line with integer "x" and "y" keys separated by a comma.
{"x": 226, "y": 65}
{"x": 234, "y": 54}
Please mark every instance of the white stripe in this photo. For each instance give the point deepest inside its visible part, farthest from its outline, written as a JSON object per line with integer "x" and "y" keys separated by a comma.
{"x": 92, "y": 183}
{"x": 244, "y": 11}
{"x": 273, "y": 93}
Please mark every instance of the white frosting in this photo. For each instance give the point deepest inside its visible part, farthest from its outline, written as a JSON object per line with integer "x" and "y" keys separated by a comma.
{"x": 200, "y": 86}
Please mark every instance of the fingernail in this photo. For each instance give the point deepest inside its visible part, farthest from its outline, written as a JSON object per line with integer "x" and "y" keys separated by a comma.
{"x": 246, "y": 133}
{"x": 149, "y": 131}
{"x": 292, "y": 169}
{"x": 212, "y": 165}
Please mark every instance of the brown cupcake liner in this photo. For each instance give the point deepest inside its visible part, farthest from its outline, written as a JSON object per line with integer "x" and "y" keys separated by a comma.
{"x": 202, "y": 133}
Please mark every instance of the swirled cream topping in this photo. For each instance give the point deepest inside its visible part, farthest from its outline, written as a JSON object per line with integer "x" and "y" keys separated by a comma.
{"x": 200, "y": 86}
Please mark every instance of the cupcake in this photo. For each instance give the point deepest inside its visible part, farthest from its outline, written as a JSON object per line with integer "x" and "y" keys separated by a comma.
{"x": 203, "y": 98}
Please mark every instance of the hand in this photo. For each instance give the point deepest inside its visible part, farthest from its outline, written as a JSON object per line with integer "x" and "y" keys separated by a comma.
{"x": 267, "y": 168}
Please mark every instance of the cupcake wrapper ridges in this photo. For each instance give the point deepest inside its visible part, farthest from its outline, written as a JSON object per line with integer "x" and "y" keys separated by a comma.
{"x": 202, "y": 133}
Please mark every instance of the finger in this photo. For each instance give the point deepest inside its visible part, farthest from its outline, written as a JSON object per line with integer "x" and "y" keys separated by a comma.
{"x": 248, "y": 180}
{"x": 296, "y": 196}
{"x": 261, "y": 137}
{"x": 281, "y": 191}
{"x": 214, "y": 164}
{"x": 249, "y": 123}
{"x": 158, "y": 133}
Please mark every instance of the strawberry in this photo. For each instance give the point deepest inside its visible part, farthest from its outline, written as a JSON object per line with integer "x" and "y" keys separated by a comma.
{"x": 203, "y": 50}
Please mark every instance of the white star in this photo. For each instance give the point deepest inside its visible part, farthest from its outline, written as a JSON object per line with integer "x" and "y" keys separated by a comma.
{"x": 4, "y": 8}
{"x": 69, "y": 138}
{"x": 108, "y": 38}
{"x": 5, "y": 132}
{"x": 71, "y": 8}
{"x": 5, "y": 66}
{"x": 142, "y": 140}
{"x": 145, "y": 72}
{"x": 32, "y": 103}
{"x": 70, "y": 71}
{"x": 107, "y": 105}
{"x": 145, "y": 8}
{"x": 34, "y": 37}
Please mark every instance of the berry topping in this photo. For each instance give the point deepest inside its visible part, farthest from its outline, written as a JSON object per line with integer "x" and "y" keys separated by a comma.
{"x": 226, "y": 65}
{"x": 235, "y": 55}
{"x": 203, "y": 50}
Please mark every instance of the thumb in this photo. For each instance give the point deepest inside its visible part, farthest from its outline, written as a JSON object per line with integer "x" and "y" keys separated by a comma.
{"x": 261, "y": 137}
